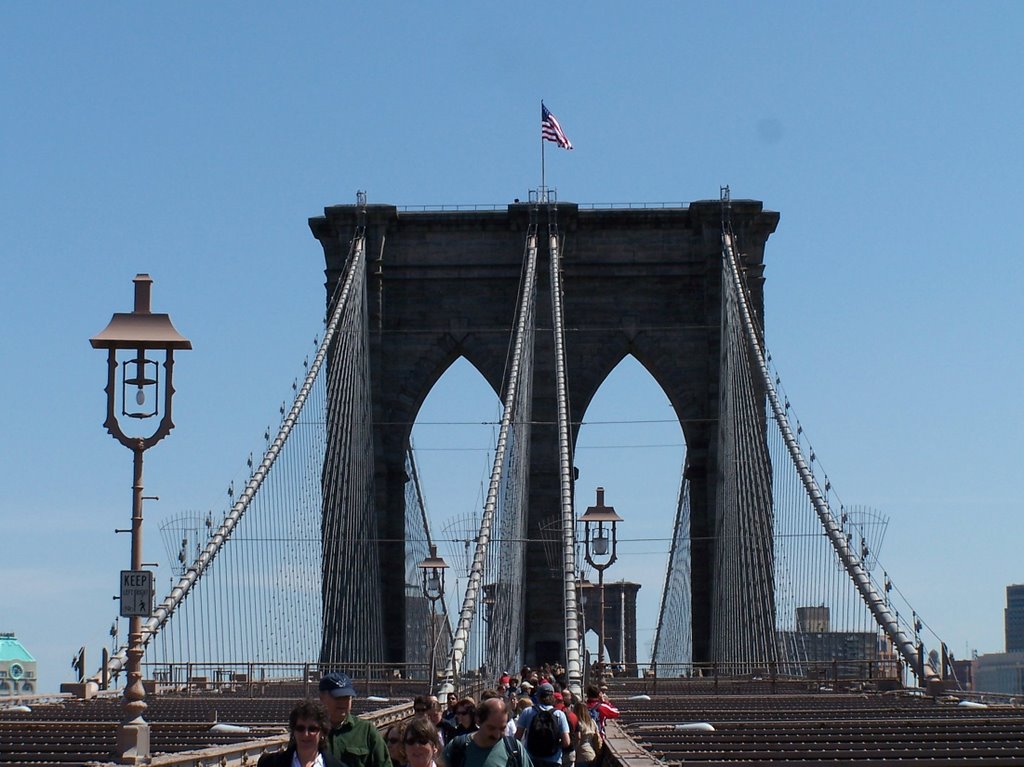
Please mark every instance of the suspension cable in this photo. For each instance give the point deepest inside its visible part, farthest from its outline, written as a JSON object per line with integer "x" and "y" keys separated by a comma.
{"x": 849, "y": 559}
{"x": 220, "y": 537}
{"x": 574, "y": 668}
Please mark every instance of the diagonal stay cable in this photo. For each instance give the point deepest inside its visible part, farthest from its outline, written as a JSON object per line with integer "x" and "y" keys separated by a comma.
{"x": 217, "y": 540}
{"x": 574, "y": 666}
{"x": 847, "y": 556}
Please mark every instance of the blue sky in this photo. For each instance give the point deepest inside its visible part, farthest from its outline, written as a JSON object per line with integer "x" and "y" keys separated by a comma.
{"x": 192, "y": 141}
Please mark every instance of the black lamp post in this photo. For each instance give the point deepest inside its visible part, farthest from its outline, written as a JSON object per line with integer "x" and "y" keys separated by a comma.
{"x": 144, "y": 339}
{"x": 433, "y": 568}
{"x": 599, "y": 526}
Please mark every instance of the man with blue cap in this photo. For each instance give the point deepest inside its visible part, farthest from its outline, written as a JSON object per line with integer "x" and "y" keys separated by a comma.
{"x": 354, "y": 741}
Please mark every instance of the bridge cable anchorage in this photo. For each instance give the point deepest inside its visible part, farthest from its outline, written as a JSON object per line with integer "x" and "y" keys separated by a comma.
{"x": 506, "y": 595}
{"x": 574, "y": 665}
{"x": 218, "y": 538}
{"x": 844, "y": 551}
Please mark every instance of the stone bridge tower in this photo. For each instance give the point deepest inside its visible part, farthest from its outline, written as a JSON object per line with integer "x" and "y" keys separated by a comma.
{"x": 640, "y": 281}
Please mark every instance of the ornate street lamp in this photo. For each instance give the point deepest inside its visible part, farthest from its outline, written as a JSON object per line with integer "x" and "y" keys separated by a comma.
{"x": 433, "y": 568}
{"x": 599, "y": 535}
{"x": 136, "y": 343}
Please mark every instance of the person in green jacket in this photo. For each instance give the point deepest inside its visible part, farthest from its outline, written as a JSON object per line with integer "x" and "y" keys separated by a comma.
{"x": 352, "y": 740}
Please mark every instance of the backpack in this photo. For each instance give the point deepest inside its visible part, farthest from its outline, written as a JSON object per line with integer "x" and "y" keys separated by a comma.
{"x": 457, "y": 751}
{"x": 543, "y": 735}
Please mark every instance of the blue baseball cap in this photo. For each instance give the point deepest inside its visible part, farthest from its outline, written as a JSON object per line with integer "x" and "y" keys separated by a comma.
{"x": 337, "y": 685}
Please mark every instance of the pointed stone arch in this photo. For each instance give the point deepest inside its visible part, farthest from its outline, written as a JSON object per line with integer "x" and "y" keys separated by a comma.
{"x": 640, "y": 281}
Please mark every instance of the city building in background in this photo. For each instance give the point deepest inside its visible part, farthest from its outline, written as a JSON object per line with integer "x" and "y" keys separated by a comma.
{"x": 1001, "y": 672}
{"x": 1013, "y": 618}
{"x": 843, "y": 653}
{"x": 17, "y": 667}
{"x": 1004, "y": 672}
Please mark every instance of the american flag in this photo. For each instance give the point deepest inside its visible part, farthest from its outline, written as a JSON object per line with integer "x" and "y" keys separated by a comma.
{"x": 550, "y": 130}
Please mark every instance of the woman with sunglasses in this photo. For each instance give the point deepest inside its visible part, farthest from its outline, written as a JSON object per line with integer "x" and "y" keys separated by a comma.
{"x": 396, "y": 747}
{"x": 465, "y": 716}
{"x": 308, "y": 725}
{"x": 421, "y": 742}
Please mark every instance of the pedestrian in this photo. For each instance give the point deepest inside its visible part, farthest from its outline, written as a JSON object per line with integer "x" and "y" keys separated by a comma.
{"x": 396, "y": 749}
{"x": 521, "y": 705}
{"x": 421, "y": 742}
{"x": 588, "y": 738}
{"x": 544, "y": 729}
{"x": 510, "y": 728}
{"x": 449, "y": 712}
{"x": 487, "y": 747}
{"x": 465, "y": 716}
{"x": 351, "y": 740}
{"x": 569, "y": 753}
{"x": 600, "y": 707}
{"x": 512, "y": 692}
{"x": 430, "y": 707}
{"x": 308, "y": 724}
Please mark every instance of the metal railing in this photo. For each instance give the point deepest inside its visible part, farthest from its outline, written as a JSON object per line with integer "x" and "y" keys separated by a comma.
{"x": 582, "y": 206}
{"x": 252, "y": 680}
{"x": 867, "y": 670}
{"x": 441, "y": 208}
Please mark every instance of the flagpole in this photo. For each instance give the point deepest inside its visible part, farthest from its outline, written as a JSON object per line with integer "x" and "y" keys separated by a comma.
{"x": 543, "y": 188}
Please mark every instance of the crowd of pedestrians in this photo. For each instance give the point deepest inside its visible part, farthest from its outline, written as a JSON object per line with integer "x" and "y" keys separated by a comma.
{"x": 528, "y": 720}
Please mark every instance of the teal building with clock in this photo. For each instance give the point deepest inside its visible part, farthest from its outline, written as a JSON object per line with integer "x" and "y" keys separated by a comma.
{"x": 17, "y": 667}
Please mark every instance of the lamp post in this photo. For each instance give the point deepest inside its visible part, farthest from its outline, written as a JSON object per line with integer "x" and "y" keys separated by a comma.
{"x": 583, "y": 589}
{"x": 599, "y": 535}
{"x": 433, "y": 568}
{"x": 136, "y": 335}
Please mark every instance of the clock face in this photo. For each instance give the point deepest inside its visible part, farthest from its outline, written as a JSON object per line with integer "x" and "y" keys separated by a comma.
{"x": 17, "y": 671}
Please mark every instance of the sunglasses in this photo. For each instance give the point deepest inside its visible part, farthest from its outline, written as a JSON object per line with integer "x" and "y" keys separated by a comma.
{"x": 303, "y": 730}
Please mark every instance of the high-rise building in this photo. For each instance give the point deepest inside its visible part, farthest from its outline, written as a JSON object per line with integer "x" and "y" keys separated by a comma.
{"x": 1014, "y": 618}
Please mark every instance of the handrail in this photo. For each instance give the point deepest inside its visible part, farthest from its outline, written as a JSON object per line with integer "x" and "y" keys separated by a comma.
{"x": 249, "y": 752}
